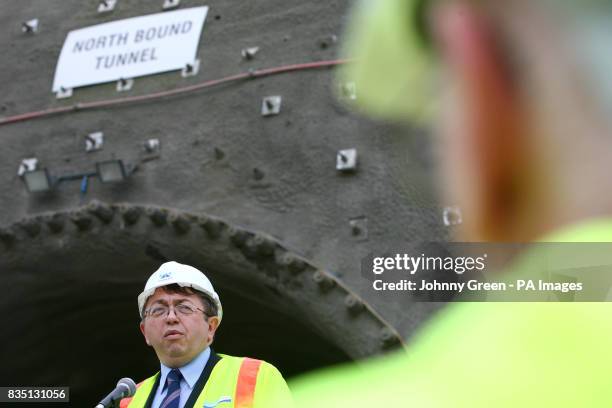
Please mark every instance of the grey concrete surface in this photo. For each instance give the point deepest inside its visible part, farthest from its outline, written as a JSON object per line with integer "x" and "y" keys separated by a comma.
{"x": 296, "y": 196}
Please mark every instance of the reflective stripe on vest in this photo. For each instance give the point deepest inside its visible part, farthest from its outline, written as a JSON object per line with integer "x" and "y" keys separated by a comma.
{"x": 243, "y": 370}
{"x": 245, "y": 387}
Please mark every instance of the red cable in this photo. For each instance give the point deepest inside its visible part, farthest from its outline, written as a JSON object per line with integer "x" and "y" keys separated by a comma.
{"x": 132, "y": 99}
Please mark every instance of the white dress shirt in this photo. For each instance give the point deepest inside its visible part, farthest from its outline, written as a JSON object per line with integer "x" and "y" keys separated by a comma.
{"x": 190, "y": 372}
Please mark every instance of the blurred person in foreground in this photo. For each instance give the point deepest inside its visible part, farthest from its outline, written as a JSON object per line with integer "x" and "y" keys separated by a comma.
{"x": 180, "y": 312}
{"x": 520, "y": 96}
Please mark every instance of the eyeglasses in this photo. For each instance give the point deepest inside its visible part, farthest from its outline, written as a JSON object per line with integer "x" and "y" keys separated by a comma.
{"x": 182, "y": 309}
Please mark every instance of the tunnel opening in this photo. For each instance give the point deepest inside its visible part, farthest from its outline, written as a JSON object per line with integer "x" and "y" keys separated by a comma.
{"x": 65, "y": 328}
{"x": 70, "y": 300}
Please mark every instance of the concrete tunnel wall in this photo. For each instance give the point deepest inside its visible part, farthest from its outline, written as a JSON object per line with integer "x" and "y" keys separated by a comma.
{"x": 292, "y": 230}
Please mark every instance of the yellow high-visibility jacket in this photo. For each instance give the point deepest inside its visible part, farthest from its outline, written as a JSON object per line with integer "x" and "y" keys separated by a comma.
{"x": 233, "y": 382}
{"x": 483, "y": 355}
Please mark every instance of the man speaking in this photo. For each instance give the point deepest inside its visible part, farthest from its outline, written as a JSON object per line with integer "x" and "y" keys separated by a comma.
{"x": 180, "y": 313}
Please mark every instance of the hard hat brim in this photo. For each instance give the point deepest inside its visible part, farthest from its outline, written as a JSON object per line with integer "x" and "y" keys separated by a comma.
{"x": 146, "y": 294}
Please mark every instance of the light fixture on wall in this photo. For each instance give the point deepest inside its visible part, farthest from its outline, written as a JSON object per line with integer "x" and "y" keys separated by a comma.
{"x": 111, "y": 171}
{"x": 38, "y": 181}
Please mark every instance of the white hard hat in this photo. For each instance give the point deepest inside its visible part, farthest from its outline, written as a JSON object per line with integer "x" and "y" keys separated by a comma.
{"x": 182, "y": 275}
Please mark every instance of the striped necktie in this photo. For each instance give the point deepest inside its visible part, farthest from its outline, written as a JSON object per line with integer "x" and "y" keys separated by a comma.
{"x": 173, "y": 395}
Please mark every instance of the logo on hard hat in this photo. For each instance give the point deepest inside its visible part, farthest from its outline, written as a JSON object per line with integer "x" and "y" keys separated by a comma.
{"x": 165, "y": 275}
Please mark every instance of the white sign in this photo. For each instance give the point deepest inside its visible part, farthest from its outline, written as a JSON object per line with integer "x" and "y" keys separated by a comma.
{"x": 129, "y": 48}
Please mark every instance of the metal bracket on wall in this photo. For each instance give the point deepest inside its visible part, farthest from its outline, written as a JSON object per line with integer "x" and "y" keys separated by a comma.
{"x": 124, "y": 84}
{"x": 171, "y": 4}
{"x": 26, "y": 165}
{"x": 94, "y": 142}
{"x": 346, "y": 160}
{"x": 249, "y": 53}
{"x": 359, "y": 228}
{"x": 152, "y": 146}
{"x": 63, "y": 93}
{"x": 348, "y": 91}
{"x": 106, "y": 6}
{"x": 152, "y": 150}
{"x": 191, "y": 69}
{"x": 30, "y": 26}
{"x": 271, "y": 105}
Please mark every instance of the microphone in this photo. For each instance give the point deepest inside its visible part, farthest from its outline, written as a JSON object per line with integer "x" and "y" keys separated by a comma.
{"x": 125, "y": 388}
